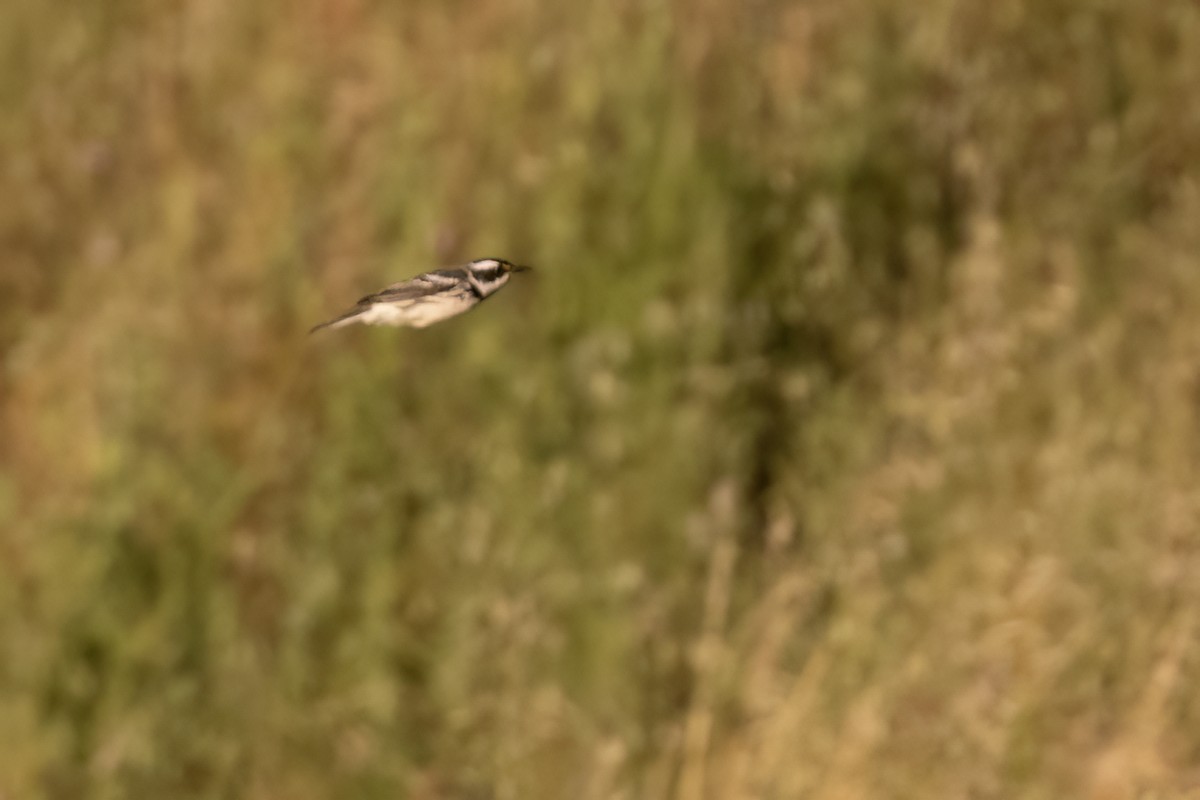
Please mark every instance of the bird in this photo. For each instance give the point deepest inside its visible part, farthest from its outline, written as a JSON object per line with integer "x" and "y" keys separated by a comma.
{"x": 429, "y": 297}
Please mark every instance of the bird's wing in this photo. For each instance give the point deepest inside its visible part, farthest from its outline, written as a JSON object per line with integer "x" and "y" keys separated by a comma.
{"x": 415, "y": 288}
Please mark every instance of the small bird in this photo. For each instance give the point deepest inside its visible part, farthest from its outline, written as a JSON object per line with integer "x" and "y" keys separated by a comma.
{"x": 430, "y": 297}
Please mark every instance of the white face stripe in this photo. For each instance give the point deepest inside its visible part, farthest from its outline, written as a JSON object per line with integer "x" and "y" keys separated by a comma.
{"x": 487, "y": 287}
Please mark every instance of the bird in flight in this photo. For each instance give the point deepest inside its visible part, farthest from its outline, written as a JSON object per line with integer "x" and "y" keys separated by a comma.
{"x": 430, "y": 297}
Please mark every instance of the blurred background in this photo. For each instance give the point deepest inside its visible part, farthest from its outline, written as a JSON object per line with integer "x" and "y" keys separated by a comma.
{"x": 844, "y": 443}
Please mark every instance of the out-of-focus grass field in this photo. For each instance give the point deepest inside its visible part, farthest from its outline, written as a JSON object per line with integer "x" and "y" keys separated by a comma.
{"x": 845, "y": 443}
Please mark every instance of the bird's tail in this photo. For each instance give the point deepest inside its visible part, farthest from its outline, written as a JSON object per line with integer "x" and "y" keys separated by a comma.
{"x": 349, "y": 318}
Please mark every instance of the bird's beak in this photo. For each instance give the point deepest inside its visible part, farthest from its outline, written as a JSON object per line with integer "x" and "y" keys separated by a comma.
{"x": 520, "y": 268}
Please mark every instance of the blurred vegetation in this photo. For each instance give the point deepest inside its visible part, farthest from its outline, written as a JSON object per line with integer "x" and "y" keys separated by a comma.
{"x": 843, "y": 445}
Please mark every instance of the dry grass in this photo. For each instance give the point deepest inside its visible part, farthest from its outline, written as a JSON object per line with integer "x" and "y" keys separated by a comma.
{"x": 843, "y": 446}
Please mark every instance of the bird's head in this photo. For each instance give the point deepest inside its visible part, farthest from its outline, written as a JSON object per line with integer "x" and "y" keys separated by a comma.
{"x": 496, "y": 266}
{"x": 508, "y": 266}
{"x": 490, "y": 274}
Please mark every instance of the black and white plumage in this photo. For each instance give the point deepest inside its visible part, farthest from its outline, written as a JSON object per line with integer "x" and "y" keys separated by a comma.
{"x": 430, "y": 297}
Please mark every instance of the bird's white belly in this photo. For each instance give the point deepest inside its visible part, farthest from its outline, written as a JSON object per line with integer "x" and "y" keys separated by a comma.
{"x": 415, "y": 314}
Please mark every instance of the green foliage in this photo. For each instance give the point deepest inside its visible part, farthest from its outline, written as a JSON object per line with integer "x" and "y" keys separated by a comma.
{"x": 843, "y": 443}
